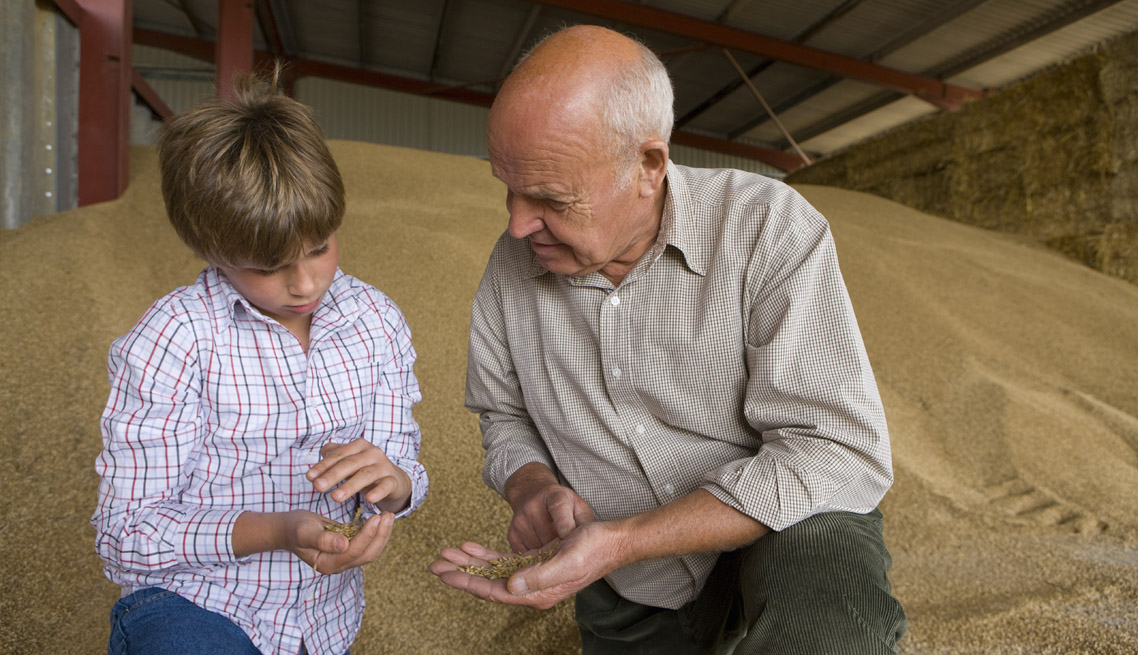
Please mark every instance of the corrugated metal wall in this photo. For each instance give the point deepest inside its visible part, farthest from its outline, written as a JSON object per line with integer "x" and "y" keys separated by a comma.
{"x": 359, "y": 113}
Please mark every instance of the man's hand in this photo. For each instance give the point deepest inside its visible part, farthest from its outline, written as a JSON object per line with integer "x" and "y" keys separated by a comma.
{"x": 544, "y": 510}
{"x": 586, "y": 555}
{"x": 361, "y": 467}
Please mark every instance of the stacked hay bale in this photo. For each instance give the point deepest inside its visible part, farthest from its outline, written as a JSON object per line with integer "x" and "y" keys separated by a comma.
{"x": 1054, "y": 157}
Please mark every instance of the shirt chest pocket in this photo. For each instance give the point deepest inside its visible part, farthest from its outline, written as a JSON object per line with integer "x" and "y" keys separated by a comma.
{"x": 343, "y": 394}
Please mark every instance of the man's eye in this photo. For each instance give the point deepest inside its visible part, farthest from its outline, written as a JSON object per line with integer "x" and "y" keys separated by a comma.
{"x": 557, "y": 206}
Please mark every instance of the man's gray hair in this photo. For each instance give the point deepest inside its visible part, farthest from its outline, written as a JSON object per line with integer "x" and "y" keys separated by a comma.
{"x": 637, "y": 106}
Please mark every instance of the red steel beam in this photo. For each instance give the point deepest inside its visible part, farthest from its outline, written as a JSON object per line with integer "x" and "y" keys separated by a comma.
{"x": 104, "y": 98}
{"x": 234, "y": 43}
{"x": 148, "y": 95}
{"x": 301, "y": 67}
{"x": 944, "y": 95}
{"x": 72, "y": 10}
{"x": 784, "y": 161}
{"x": 200, "y": 49}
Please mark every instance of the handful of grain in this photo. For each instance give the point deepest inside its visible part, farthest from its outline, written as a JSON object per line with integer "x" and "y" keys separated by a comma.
{"x": 349, "y": 530}
{"x": 507, "y": 566}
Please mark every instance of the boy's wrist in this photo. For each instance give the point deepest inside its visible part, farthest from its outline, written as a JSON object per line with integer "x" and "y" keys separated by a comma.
{"x": 257, "y": 532}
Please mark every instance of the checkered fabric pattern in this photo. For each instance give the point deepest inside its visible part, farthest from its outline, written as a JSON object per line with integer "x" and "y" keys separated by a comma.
{"x": 728, "y": 359}
{"x": 216, "y": 409}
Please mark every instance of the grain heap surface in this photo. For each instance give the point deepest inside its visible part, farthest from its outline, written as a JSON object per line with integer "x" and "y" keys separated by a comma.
{"x": 1008, "y": 374}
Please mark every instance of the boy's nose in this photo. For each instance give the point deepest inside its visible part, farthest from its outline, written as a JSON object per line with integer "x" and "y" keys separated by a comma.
{"x": 302, "y": 282}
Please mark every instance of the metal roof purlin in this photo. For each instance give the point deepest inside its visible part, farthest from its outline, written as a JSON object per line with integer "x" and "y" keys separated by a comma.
{"x": 993, "y": 48}
{"x": 801, "y": 37}
{"x": 946, "y": 15}
{"x": 943, "y": 95}
{"x": 301, "y": 67}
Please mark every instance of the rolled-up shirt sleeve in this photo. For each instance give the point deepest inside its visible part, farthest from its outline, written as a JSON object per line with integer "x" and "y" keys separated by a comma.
{"x": 151, "y": 429}
{"x": 509, "y": 436}
{"x": 810, "y": 393}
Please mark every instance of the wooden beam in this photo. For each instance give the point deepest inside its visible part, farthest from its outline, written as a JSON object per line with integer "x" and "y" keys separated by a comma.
{"x": 941, "y": 94}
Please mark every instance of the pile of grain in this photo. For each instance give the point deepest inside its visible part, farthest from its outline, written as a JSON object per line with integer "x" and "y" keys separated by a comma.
{"x": 1008, "y": 374}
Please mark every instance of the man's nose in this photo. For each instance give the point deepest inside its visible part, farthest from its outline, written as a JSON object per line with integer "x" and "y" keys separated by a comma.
{"x": 525, "y": 216}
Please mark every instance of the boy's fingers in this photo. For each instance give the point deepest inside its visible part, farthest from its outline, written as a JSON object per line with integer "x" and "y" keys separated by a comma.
{"x": 383, "y": 488}
{"x": 378, "y": 541}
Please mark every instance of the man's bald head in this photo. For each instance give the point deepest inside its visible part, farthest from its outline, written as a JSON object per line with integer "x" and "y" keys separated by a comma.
{"x": 593, "y": 79}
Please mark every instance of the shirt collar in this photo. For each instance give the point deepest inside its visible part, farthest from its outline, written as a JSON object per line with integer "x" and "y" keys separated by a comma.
{"x": 337, "y": 305}
{"x": 680, "y": 220}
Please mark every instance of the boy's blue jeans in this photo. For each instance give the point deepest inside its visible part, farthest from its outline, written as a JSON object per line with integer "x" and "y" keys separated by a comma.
{"x": 154, "y": 620}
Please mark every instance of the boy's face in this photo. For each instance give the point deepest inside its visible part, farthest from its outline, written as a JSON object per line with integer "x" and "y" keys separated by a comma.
{"x": 291, "y": 292}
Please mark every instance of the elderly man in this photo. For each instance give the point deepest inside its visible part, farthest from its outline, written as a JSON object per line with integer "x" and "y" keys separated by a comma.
{"x": 672, "y": 386}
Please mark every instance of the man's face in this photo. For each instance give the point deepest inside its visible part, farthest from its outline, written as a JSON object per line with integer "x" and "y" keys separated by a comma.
{"x": 565, "y": 195}
{"x": 290, "y": 293}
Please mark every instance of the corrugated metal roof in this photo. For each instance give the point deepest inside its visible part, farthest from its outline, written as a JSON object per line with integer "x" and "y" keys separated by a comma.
{"x": 471, "y": 43}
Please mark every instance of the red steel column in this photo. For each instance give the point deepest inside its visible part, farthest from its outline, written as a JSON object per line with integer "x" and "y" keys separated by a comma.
{"x": 104, "y": 99}
{"x": 234, "y": 42}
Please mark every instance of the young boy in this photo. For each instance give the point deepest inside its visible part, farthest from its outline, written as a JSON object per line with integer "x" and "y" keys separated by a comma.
{"x": 248, "y": 408}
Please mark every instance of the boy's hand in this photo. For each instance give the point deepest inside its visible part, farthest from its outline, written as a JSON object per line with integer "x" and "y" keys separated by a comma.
{"x": 328, "y": 552}
{"x": 361, "y": 467}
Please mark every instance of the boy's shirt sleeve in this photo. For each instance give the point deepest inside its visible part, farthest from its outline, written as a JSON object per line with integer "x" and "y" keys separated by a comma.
{"x": 152, "y": 433}
{"x": 392, "y": 426}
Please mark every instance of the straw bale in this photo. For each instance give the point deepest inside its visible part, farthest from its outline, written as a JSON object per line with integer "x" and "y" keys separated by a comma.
{"x": 1052, "y": 157}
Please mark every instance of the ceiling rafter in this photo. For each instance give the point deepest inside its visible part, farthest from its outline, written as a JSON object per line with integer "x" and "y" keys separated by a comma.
{"x": 282, "y": 21}
{"x": 268, "y": 24}
{"x": 947, "y": 14}
{"x": 440, "y": 40}
{"x": 946, "y": 96}
{"x": 362, "y": 31}
{"x": 993, "y": 48}
{"x": 714, "y": 99}
{"x": 203, "y": 50}
{"x": 520, "y": 41}
{"x": 201, "y": 28}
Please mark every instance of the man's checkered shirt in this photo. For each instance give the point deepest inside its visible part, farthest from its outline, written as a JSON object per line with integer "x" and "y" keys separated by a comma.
{"x": 728, "y": 359}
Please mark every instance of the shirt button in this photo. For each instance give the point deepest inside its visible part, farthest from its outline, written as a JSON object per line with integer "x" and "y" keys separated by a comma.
{"x": 640, "y": 429}
{"x": 615, "y": 300}
{"x": 616, "y": 372}
{"x": 669, "y": 489}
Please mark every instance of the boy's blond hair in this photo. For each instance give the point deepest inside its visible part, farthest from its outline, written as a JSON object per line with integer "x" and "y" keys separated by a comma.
{"x": 249, "y": 181}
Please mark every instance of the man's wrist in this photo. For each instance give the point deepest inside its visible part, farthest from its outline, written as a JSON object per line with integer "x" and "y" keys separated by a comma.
{"x": 527, "y": 480}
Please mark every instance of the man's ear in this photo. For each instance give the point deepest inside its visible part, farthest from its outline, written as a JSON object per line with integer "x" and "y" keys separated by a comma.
{"x": 653, "y": 166}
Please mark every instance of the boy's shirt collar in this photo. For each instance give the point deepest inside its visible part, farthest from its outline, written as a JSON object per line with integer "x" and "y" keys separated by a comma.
{"x": 337, "y": 307}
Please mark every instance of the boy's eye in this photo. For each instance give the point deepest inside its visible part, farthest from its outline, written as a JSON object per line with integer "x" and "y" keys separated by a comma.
{"x": 319, "y": 251}
{"x": 264, "y": 271}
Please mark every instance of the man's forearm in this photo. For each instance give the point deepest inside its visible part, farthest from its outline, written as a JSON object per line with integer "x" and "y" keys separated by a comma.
{"x": 696, "y": 523}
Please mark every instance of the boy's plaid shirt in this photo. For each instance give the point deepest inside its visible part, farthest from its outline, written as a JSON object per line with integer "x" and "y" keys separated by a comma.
{"x": 215, "y": 410}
